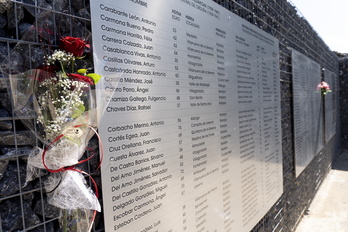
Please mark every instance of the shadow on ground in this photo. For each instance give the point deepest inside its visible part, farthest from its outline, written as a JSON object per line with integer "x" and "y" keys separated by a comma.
{"x": 340, "y": 162}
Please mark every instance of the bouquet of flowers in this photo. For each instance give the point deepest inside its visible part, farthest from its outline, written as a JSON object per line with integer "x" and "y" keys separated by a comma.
{"x": 324, "y": 87}
{"x": 61, "y": 96}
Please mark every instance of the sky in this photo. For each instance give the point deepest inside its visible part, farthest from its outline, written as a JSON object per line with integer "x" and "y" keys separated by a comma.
{"x": 329, "y": 18}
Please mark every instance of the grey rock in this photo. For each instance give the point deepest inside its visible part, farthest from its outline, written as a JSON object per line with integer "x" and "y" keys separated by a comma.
{"x": 84, "y": 13}
{"x": 45, "y": 5}
{"x": 15, "y": 10}
{"x": 8, "y": 138}
{"x": 24, "y": 28}
{"x": 79, "y": 30}
{"x": 5, "y": 5}
{"x": 4, "y": 34}
{"x": 95, "y": 161}
{"x": 29, "y": 197}
{"x": 30, "y": 2}
{"x": 9, "y": 183}
{"x": 61, "y": 5}
{"x": 65, "y": 24}
{"x": 49, "y": 228}
{"x": 37, "y": 56}
{"x": 31, "y": 10}
{"x": 3, "y": 21}
{"x": 11, "y": 215}
{"x": 4, "y": 113}
{"x": 3, "y": 167}
{"x": 3, "y": 55}
{"x": 78, "y": 4}
{"x": 5, "y": 101}
{"x": 12, "y": 153}
{"x": 46, "y": 33}
{"x": 5, "y": 125}
{"x": 49, "y": 211}
{"x": 20, "y": 60}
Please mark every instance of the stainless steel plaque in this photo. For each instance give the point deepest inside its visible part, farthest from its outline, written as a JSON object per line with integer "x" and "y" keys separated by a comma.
{"x": 308, "y": 116}
{"x": 192, "y": 132}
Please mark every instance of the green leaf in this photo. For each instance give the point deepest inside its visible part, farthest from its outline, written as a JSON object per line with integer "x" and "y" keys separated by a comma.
{"x": 82, "y": 71}
{"x": 78, "y": 111}
{"x": 95, "y": 77}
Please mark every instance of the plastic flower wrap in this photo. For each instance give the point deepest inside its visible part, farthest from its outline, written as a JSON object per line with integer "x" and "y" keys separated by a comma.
{"x": 324, "y": 87}
{"x": 60, "y": 95}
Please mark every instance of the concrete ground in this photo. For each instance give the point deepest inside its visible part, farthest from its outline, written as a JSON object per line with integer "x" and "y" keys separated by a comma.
{"x": 329, "y": 209}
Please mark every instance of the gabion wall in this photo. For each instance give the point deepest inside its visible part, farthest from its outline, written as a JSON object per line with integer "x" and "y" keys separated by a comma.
{"x": 36, "y": 24}
{"x": 343, "y": 83}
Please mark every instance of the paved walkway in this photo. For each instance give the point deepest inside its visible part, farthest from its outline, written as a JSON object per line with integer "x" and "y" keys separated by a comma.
{"x": 329, "y": 209}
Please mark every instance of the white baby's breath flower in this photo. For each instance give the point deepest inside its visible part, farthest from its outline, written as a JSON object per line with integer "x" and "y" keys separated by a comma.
{"x": 61, "y": 98}
{"x": 60, "y": 56}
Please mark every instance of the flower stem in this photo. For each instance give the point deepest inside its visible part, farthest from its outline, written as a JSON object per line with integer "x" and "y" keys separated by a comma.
{"x": 65, "y": 226}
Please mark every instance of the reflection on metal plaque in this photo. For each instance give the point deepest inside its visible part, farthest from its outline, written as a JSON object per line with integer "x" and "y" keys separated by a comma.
{"x": 308, "y": 117}
{"x": 192, "y": 131}
{"x": 330, "y": 105}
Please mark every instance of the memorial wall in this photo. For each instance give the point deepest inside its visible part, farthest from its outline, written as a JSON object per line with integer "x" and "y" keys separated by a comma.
{"x": 203, "y": 120}
{"x": 308, "y": 116}
{"x": 191, "y": 132}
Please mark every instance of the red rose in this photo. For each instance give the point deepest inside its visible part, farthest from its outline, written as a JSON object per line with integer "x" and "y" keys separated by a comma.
{"x": 74, "y": 45}
{"x": 79, "y": 77}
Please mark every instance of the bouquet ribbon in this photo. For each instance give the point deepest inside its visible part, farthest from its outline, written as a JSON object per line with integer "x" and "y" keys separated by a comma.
{"x": 72, "y": 168}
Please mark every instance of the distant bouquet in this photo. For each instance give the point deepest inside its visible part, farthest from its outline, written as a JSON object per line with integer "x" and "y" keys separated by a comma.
{"x": 60, "y": 95}
{"x": 324, "y": 88}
